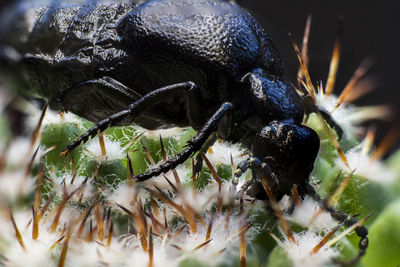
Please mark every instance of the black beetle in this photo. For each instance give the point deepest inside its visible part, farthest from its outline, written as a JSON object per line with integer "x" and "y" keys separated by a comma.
{"x": 207, "y": 64}
{"x": 204, "y": 64}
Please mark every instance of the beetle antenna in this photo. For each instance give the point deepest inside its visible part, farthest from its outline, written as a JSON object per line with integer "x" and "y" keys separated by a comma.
{"x": 348, "y": 221}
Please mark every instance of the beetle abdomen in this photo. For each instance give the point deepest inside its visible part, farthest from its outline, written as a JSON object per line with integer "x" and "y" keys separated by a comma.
{"x": 209, "y": 33}
{"x": 62, "y": 43}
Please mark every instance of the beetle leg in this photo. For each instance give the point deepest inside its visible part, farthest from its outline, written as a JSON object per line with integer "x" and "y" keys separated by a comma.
{"x": 240, "y": 169}
{"x": 195, "y": 107}
{"x": 243, "y": 190}
{"x": 193, "y": 145}
{"x": 199, "y": 159}
{"x": 99, "y": 127}
{"x": 135, "y": 109}
{"x": 347, "y": 220}
{"x": 95, "y": 99}
{"x": 332, "y": 123}
{"x": 261, "y": 170}
{"x": 195, "y": 114}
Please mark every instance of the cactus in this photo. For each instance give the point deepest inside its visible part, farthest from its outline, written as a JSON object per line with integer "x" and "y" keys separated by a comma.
{"x": 87, "y": 210}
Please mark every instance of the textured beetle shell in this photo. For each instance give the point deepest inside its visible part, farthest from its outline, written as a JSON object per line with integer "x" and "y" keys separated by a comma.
{"x": 144, "y": 45}
{"x": 216, "y": 33}
{"x": 70, "y": 42}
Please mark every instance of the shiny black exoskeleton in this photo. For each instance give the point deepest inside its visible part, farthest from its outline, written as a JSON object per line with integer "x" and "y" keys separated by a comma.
{"x": 201, "y": 63}
{"x": 162, "y": 63}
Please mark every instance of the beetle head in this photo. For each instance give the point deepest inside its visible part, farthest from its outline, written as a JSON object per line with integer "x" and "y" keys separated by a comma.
{"x": 290, "y": 151}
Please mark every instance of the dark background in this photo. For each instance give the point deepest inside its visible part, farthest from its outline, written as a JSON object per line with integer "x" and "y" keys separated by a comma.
{"x": 371, "y": 29}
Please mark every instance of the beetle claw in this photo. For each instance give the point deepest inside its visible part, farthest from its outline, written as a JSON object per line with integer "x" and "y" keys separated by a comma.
{"x": 64, "y": 153}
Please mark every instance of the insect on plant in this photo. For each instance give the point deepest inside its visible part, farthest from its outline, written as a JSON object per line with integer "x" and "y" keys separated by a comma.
{"x": 207, "y": 64}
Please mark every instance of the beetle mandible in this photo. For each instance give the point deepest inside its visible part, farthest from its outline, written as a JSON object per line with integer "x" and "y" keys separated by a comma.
{"x": 207, "y": 64}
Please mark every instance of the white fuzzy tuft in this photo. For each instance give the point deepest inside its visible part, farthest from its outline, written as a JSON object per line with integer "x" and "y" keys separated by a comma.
{"x": 221, "y": 152}
{"x": 37, "y": 251}
{"x": 113, "y": 150}
{"x": 63, "y": 181}
{"x": 18, "y": 153}
{"x": 373, "y": 170}
{"x": 51, "y": 117}
{"x": 223, "y": 236}
{"x": 123, "y": 195}
{"x": 308, "y": 214}
{"x": 348, "y": 116}
{"x": 165, "y": 133}
{"x": 300, "y": 251}
{"x": 160, "y": 181}
{"x": 14, "y": 185}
